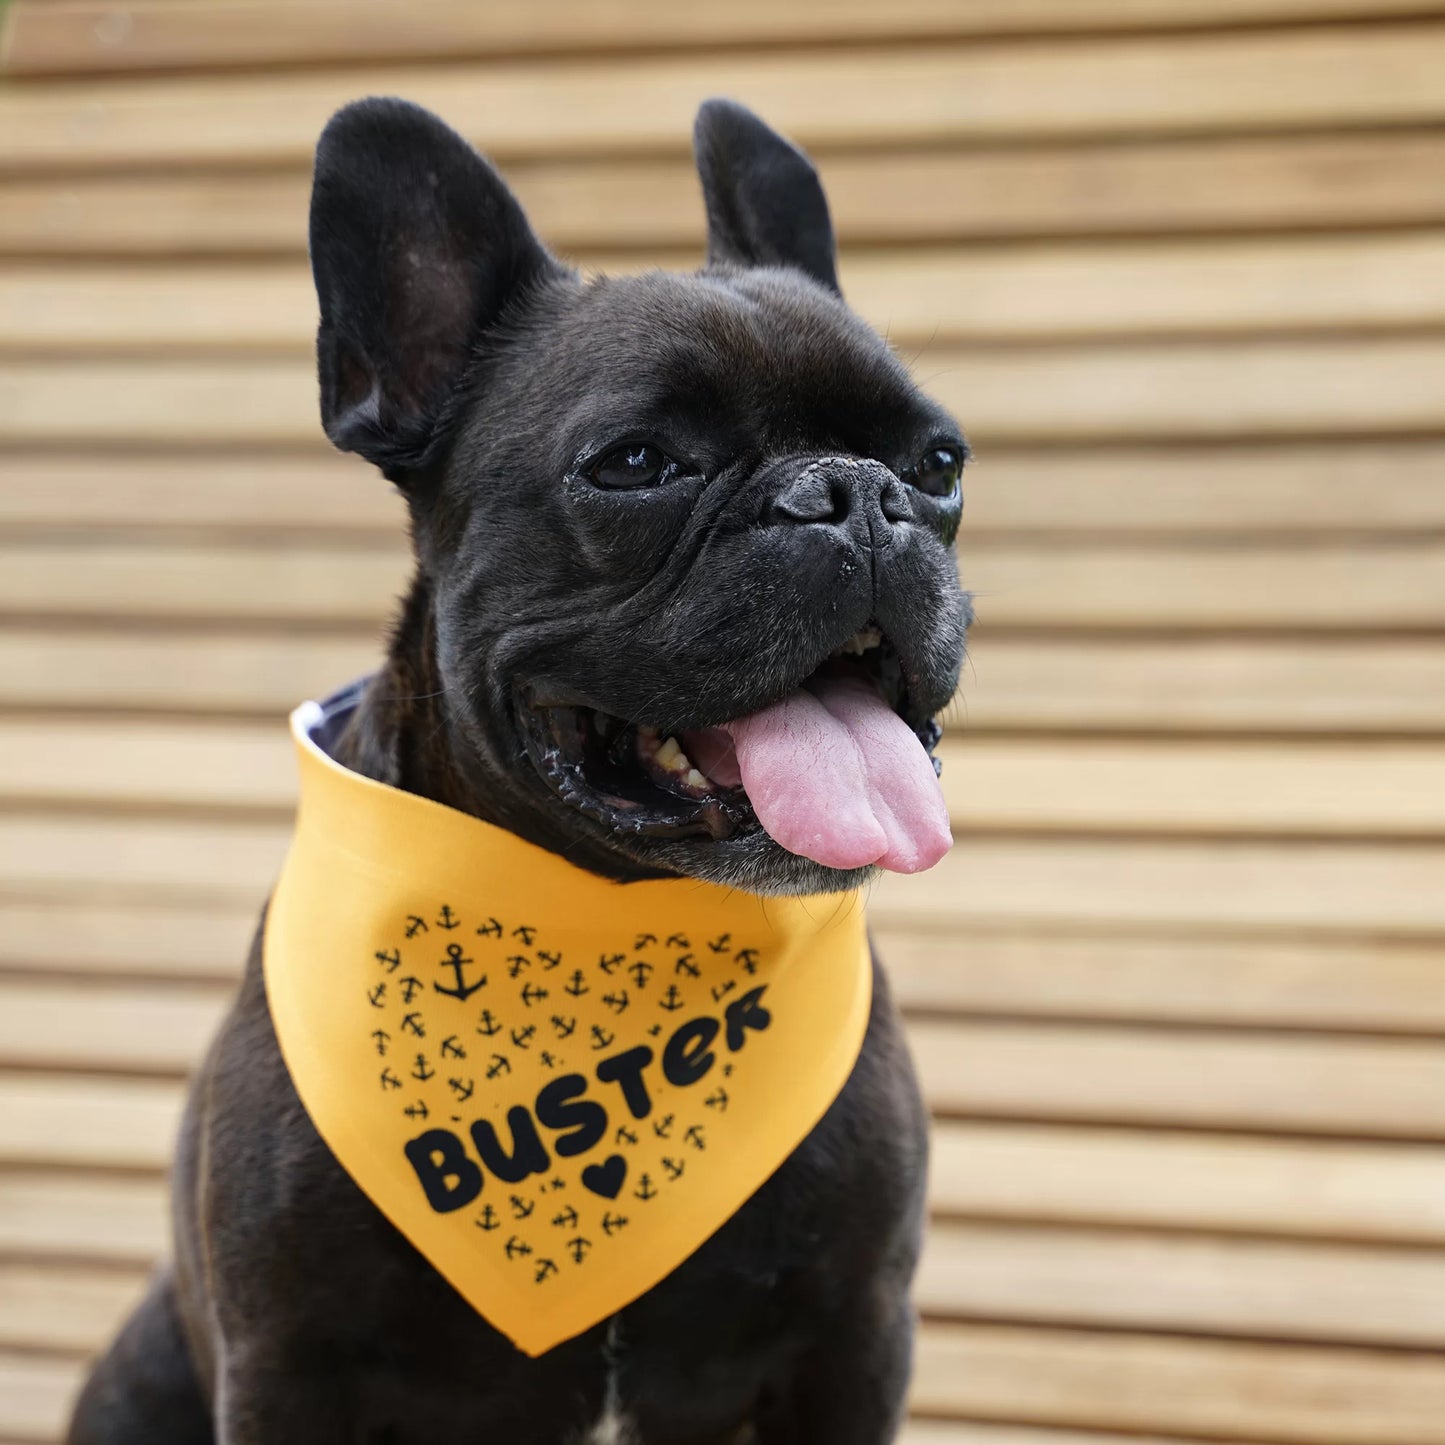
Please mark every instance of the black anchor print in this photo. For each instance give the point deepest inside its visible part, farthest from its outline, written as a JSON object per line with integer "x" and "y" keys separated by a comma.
{"x": 459, "y": 988}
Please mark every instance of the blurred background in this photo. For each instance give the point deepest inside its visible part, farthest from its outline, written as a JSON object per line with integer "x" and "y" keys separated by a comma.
{"x": 1178, "y": 995}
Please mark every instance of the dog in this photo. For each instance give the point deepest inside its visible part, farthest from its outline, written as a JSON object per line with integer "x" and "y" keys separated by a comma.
{"x": 644, "y": 508}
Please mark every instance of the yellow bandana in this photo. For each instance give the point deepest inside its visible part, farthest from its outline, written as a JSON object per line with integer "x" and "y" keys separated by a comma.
{"x": 557, "y": 1087}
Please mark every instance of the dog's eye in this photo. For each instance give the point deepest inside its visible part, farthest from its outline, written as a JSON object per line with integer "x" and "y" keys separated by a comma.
{"x": 936, "y": 472}
{"x": 633, "y": 464}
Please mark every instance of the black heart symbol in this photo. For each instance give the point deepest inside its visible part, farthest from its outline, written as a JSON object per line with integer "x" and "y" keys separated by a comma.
{"x": 606, "y": 1178}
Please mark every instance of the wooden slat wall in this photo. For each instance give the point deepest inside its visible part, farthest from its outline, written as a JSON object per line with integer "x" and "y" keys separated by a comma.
{"x": 1178, "y": 995}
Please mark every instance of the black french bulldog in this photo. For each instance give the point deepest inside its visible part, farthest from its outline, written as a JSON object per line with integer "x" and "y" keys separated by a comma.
{"x": 642, "y": 507}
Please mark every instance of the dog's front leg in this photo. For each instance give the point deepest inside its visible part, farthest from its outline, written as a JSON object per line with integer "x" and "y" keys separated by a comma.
{"x": 852, "y": 1388}
{"x": 277, "y": 1406}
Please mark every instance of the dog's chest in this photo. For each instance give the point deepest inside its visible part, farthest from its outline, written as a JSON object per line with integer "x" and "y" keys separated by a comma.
{"x": 613, "y": 1427}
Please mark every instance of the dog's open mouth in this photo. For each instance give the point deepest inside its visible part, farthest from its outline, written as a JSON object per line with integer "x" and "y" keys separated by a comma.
{"x": 831, "y": 771}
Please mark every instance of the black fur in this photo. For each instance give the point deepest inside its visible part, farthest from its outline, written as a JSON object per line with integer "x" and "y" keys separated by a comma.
{"x": 765, "y": 204}
{"x": 485, "y": 378}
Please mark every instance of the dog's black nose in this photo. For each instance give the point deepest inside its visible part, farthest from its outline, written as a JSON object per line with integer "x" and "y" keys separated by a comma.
{"x": 836, "y": 490}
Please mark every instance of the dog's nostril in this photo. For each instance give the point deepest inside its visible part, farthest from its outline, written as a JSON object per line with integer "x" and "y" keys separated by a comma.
{"x": 815, "y": 496}
{"x": 894, "y": 501}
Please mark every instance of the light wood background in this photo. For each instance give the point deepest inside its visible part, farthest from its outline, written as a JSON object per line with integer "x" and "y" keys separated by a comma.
{"x": 1178, "y": 994}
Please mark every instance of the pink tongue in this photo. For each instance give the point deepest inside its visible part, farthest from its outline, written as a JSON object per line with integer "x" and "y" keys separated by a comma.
{"x": 835, "y": 774}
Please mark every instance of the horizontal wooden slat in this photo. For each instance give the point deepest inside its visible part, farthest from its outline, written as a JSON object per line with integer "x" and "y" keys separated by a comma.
{"x": 170, "y": 671}
{"x": 234, "y": 402}
{"x": 325, "y": 491}
{"x": 1218, "y": 287}
{"x": 923, "y": 296}
{"x": 1020, "y": 683}
{"x": 83, "y": 1216}
{"x": 122, "y": 861}
{"x": 138, "y": 762}
{"x": 1309, "y": 1395}
{"x": 1394, "y": 583}
{"x": 1242, "y": 980}
{"x": 1178, "y": 1180}
{"x": 1385, "y": 889}
{"x": 259, "y": 305}
{"x": 1299, "y": 685}
{"x": 342, "y": 585}
{"x": 71, "y": 934}
{"x": 1139, "y": 392}
{"x": 962, "y": 1432}
{"x": 1155, "y": 392}
{"x": 1028, "y": 1275}
{"x": 1316, "y": 788}
{"x": 110, "y": 1123}
{"x": 1199, "y": 490}
{"x": 36, "y": 1392}
{"x": 1044, "y": 1173}
{"x": 1292, "y": 1394}
{"x": 1393, "y": 1088}
{"x": 1269, "y": 1289}
{"x": 158, "y": 1028}
{"x": 1296, "y": 1083}
{"x": 47, "y": 39}
{"x": 1184, "y": 184}
{"x": 64, "y": 1307}
{"x": 1286, "y": 80}
{"x": 1067, "y": 1276}
{"x": 1230, "y": 491}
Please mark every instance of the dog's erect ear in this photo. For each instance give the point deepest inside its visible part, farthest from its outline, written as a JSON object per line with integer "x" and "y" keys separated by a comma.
{"x": 417, "y": 245}
{"x": 765, "y": 204}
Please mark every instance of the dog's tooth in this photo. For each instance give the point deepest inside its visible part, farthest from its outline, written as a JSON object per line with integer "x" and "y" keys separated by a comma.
{"x": 695, "y": 779}
{"x": 671, "y": 756}
{"x": 862, "y": 641}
